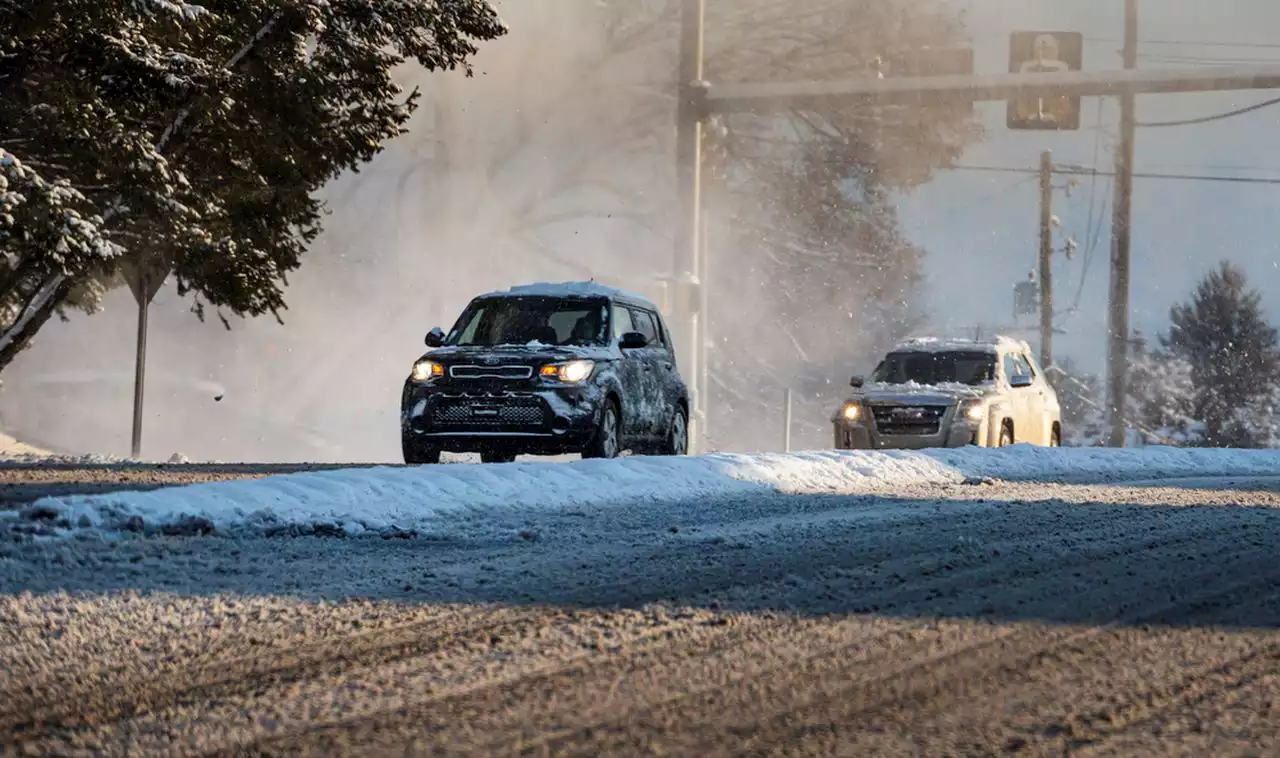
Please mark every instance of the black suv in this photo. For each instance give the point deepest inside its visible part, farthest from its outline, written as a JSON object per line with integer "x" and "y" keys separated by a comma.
{"x": 547, "y": 369}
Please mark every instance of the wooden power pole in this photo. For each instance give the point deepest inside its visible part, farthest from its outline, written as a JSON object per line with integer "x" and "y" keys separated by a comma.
{"x": 1118, "y": 355}
{"x": 1046, "y": 259}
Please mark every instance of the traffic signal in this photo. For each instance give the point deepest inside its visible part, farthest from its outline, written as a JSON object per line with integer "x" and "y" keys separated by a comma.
{"x": 1039, "y": 53}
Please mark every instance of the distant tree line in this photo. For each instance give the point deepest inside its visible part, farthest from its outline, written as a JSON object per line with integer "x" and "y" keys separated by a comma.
{"x": 1212, "y": 379}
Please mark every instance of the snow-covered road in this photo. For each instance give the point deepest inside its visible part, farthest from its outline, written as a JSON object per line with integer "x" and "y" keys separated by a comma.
{"x": 879, "y": 616}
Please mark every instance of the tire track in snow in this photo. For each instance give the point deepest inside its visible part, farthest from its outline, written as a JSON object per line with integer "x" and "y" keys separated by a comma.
{"x": 108, "y": 700}
{"x": 1064, "y": 698}
{"x": 848, "y": 691}
{"x": 440, "y": 714}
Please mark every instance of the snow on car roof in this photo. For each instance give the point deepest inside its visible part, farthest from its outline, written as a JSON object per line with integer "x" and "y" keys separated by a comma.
{"x": 950, "y": 344}
{"x": 590, "y": 288}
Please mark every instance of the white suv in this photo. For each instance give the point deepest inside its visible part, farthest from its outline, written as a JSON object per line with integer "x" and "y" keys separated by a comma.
{"x": 951, "y": 393}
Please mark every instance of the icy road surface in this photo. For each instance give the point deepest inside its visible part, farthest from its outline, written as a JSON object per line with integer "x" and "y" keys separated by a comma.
{"x": 911, "y": 618}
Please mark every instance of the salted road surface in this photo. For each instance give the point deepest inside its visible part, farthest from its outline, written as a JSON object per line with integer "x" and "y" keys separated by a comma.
{"x": 971, "y": 620}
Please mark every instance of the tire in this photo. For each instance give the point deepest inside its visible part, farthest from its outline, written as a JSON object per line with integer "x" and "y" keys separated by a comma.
{"x": 417, "y": 455}
{"x": 1006, "y": 436}
{"x": 1055, "y": 437}
{"x": 677, "y": 441}
{"x": 496, "y": 457}
{"x": 607, "y": 441}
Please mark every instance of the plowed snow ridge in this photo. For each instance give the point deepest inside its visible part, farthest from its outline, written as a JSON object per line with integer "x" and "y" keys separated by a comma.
{"x": 479, "y": 501}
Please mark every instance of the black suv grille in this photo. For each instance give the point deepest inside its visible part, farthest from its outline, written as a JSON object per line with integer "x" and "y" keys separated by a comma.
{"x": 904, "y": 420}
{"x": 514, "y": 412}
{"x": 491, "y": 372}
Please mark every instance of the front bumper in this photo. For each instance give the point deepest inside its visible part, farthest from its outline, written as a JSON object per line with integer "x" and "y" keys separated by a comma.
{"x": 539, "y": 421}
{"x": 952, "y": 432}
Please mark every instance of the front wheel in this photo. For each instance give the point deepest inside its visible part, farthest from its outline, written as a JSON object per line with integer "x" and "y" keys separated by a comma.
{"x": 416, "y": 455}
{"x": 607, "y": 442}
{"x": 677, "y": 442}
{"x": 1006, "y": 436}
{"x": 1055, "y": 437}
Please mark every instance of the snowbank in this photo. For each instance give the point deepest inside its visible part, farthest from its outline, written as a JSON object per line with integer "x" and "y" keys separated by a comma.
{"x": 463, "y": 500}
{"x": 12, "y": 450}
{"x": 15, "y": 452}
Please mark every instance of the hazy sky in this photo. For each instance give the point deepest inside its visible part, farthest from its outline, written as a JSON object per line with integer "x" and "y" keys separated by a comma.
{"x": 981, "y": 229}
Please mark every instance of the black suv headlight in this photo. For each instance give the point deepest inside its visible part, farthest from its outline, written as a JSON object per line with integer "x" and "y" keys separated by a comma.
{"x": 571, "y": 372}
{"x": 425, "y": 370}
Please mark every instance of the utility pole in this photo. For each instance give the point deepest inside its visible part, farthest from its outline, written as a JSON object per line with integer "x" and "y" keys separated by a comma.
{"x": 1046, "y": 258}
{"x": 139, "y": 376}
{"x": 691, "y": 113}
{"x": 1118, "y": 358}
{"x": 145, "y": 277}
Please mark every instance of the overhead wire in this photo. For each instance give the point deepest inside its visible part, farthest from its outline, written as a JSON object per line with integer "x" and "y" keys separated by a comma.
{"x": 1082, "y": 171}
{"x": 1093, "y": 226}
{"x": 1215, "y": 117}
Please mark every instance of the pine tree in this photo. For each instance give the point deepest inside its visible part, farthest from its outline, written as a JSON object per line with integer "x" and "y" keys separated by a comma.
{"x": 1232, "y": 353}
{"x": 196, "y": 137}
{"x": 1080, "y": 397}
{"x": 1161, "y": 396}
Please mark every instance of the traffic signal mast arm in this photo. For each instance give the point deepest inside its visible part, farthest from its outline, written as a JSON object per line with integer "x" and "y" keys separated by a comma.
{"x": 731, "y": 98}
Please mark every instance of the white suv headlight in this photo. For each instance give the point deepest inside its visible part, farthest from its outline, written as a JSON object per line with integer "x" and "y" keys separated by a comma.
{"x": 974, "y": 410}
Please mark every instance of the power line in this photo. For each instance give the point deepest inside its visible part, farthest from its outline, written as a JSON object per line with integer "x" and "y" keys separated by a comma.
{"x": 1217, "y": 117}
{"x": 1081, "y": 171}
{"x": 1093, "y": 227}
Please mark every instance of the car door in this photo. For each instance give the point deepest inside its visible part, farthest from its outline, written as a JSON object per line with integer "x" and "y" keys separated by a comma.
{"x": 1017, "y": 397}
{"x": 652, "y": 360}
{"x": 1029, "y": 425}
{"x": 1045, "y": 399}
{"x": 630, "y": 374}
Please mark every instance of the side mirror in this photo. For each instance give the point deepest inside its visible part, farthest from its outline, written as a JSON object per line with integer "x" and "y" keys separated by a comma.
{"x": 633, "y": 341}
{"x": 435, "y": 337}
{"x": 857, "y": 381}
{"x": 1021, "y": 381}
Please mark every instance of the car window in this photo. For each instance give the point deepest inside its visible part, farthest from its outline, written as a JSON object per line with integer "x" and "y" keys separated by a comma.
{"x": 932, "y": 368}
{"x": 1010, "y": 367}
{"x": 1015, "y": 366}
{"x": 644, "y": 324}
{"x": 519, "y": 321}
{"x": 660, "y": 328}
{"x": 621, "y": 322}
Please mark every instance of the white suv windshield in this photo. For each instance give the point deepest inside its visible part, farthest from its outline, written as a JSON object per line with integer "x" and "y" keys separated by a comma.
{"x": 971, "y": 368}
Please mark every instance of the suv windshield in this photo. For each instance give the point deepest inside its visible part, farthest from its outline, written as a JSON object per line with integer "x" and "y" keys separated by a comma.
{"x": 971, "y": 368}
{"x": 537, "y": 320}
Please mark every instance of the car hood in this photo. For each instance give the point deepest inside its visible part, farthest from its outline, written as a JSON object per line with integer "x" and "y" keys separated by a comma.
{"x": 525, "y": 354}
{"x": 912, "y": 394}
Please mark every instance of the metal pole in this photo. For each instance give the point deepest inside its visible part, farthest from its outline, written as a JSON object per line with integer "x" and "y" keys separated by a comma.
{"x": 690, "y": 113}
{"x": 704, "y": 332}
{"x": 140, "y": 365}
{"x": 1046, "y": 258}
{"x": 786, "y": 421}
{"x": 1118, "y": 357}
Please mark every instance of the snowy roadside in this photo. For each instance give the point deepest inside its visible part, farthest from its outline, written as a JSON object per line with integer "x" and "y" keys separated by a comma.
{"x": 13, "y": 450}
{"x": 497, "y": 501}
{"x": 16, "y": 453}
